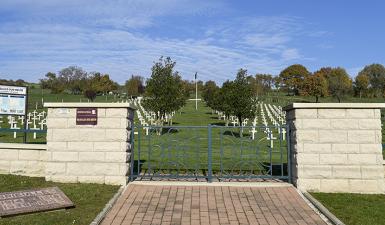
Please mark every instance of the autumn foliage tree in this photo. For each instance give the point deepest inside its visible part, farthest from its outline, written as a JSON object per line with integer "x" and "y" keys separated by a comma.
{"x": 100, "y": 83}
{"x": 292, "y": 78}
{"x": 315, "y": 85}
{"x": 361, "y": 83}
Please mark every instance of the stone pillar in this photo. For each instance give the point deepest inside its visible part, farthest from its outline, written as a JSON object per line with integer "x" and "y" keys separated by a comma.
{"x": 89, "y": 153}
{"x": 336, "y": 147}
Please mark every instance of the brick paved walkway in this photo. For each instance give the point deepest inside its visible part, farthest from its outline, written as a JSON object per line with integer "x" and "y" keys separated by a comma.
{"x": 206, "y": 205}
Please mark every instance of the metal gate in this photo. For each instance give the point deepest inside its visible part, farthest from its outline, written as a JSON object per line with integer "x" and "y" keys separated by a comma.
{"x": 210, "y": 153}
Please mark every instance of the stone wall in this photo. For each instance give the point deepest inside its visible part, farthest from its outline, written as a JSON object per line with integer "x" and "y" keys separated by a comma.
{"x": 23, "y": 159}
{"x": 88, "y": 153}
{"x": 336, "y": 147}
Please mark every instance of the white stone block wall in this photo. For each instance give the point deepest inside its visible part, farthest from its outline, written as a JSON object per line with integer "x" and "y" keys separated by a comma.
{"x": 87, "y": 153}
{"x": 336, "y": 149}
{"x": 23, "y": 159}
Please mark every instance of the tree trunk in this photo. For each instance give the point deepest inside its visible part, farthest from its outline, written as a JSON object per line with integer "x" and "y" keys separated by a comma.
{"x": 339, "y": 99}
{"x": 316, "y": 99}
{"x": 241, "y": 127}
{"x": 360, "y": 94}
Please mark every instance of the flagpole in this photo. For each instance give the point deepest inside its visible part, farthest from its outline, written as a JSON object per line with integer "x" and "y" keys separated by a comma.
{"x": 196, "y": 92}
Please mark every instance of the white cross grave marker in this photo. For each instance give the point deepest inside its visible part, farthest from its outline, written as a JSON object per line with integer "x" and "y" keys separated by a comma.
{"x": 271, "y": 138}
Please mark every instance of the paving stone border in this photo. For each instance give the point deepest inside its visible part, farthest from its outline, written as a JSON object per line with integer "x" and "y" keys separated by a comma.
{"x": 98, "y": 219}
{"x": 322, "y": 209}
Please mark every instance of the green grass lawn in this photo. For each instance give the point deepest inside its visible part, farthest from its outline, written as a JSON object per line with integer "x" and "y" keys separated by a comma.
{"x": 89, "y": 199}
{"x": 355, "y": 209}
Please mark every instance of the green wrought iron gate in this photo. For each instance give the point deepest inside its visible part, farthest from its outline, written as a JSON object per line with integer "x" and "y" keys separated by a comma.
{"x": 210, "y": 153}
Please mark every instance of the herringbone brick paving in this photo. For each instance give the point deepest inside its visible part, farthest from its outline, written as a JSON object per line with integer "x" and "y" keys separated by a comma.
{"x": 209, "y": 205}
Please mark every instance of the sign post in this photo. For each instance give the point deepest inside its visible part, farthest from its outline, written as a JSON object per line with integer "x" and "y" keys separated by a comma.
{"x": 14, "y": 101}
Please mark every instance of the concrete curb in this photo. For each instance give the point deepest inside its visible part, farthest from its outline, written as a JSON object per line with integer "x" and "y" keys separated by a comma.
{"x": 98, "y": 219}
{"x": 213, "y": 184}
{"x": 323, "y": 209}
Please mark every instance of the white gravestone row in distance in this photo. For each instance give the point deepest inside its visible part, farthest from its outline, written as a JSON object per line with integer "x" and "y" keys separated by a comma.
{"x": 268, "y": 116}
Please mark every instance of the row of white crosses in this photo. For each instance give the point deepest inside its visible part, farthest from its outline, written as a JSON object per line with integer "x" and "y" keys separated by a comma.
{"x": 280, "y": 116}
{"x": 268, "y": 114}
{"x": 235, "y": 121}
{"x": 35, "y": 121}
{"x": 267, "y": 130}
{"x": 278, "y": 113}
{"x": 146, "y": 115}
{"x": 253, "y": 130}
{"x": 147, "y": 118}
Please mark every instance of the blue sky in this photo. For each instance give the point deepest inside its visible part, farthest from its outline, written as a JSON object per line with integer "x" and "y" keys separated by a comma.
{"x": 213, "y": 38}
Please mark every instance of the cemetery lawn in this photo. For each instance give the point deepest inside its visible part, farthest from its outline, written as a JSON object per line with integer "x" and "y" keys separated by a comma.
{"x": 355, "y": 209}
{"x": 89, "y": 200}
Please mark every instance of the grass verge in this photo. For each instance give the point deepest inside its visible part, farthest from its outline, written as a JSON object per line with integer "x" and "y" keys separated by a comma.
{"x": 89, "y": 200}
{"x": 355, "y": 209}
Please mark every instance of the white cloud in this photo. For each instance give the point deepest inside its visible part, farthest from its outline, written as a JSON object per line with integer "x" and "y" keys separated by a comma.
{"x": 290, "y": 54}
{"x": 113, "y": 38}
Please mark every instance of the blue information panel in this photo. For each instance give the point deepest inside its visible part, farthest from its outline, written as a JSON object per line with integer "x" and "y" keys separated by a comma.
{"x": 13, "y": 100}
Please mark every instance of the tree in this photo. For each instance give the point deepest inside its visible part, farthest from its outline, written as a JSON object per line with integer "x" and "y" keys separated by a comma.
{"x": 73, "y": 78}
{"x": 376, "y": 75}
{"x": 52, "y": 82}
{"x": 164, "y": 90}
{"x": 20, "y": 82}
{"x": 242, "y": 98}
{"x": 90, "y": 94}
{"x": 210, "y": 89}
{"x": 135, "y": 86}
{"x": 361, "y": 83}
{"x": 189, "y": 88}
{"x": 101, "y": 83}
{"x": 292, "y": 78}
{"x": 223, "y": 99}
{"x": 261, "y": 83}
{"x": 315, "y": 85}
{"x": 339, "y": 83}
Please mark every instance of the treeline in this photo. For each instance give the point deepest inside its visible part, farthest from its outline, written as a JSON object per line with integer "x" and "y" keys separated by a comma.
{"x": 136, "y": 86}
{"x": 336, "y": 82}
{"x": 18, "y": 82}
{"x": 296, "y": 80}
{"x": 74, "y": 80}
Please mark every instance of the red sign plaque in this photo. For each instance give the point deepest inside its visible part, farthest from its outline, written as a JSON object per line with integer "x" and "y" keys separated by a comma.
{"x": 86, "y": 116}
